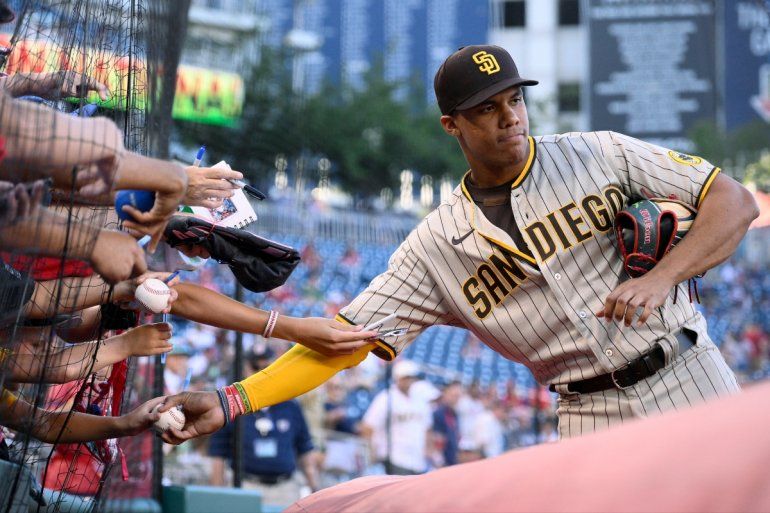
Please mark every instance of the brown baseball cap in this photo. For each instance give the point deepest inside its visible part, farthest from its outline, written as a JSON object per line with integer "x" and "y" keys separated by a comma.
{"x": 474, "y": 73}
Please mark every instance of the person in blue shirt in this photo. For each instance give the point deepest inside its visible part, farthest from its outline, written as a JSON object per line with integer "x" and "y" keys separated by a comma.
{"x": 446, "y": 424}
{"x": 276, "y": 440}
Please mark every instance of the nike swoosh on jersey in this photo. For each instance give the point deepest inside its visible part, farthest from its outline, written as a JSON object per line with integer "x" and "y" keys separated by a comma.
{"x": 457, "y": 241}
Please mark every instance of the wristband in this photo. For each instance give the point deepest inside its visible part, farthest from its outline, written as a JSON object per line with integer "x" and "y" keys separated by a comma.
{"x": 232, "y": 403}
{"x": 223, "y": 403}
{"x": 272, "y": 320}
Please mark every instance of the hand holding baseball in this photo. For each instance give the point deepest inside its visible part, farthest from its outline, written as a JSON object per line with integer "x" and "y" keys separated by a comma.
{"x": 152, "y": 295}
{"x": 124, "y": 291}
{"x": 172, "y": 418}
{"x": 141, "y": 418}
{"x": 203, "y": 415}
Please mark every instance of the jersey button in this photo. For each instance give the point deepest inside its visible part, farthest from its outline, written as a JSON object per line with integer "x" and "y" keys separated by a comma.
{"x": 557, "y": 276}
{"x": 608, "y": 352}
{"x": 582, "y": 314}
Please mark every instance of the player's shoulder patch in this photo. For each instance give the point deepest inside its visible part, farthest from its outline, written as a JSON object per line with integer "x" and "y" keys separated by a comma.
{"x": 683, "y": 158}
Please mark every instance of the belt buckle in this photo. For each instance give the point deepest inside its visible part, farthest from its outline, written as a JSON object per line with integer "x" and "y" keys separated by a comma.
{"x": 615, "y": 381}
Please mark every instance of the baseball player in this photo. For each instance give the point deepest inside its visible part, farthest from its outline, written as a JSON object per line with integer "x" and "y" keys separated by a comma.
{"x": 523, "y": 254}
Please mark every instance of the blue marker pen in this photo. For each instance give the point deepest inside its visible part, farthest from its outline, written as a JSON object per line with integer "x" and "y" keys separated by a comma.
{"x": 199, "y": 156}
{"x": 172, "y": 276}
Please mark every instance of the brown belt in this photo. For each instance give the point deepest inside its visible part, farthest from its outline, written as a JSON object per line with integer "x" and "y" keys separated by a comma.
{"x": 642, "y": 368}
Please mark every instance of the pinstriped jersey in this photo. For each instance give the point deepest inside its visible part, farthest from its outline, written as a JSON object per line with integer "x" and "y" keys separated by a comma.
{"x": 457, "y": 268}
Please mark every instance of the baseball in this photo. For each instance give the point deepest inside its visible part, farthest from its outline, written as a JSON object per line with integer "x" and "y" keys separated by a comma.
{"x": 139, "y": 199}
{"x": 173, "y": 418}
{"x": 152, "y": 295}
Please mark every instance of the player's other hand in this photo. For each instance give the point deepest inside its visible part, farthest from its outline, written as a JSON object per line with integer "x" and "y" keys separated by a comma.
{"x": 647, "y": 292}
{"x": 139, "y": 419}
{"x": 325, "y": 336}
{"x": 203, "y": 415}
{"x": 116, "y": 257}
{"x": 208, "y": 186}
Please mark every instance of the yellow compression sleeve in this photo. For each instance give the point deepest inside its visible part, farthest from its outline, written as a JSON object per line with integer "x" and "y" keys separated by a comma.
{"x": 299, "y": 370}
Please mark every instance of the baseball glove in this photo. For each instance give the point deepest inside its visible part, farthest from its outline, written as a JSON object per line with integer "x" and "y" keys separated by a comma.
{"x": 648, "y": 229}
{"x": 258, "y": 264}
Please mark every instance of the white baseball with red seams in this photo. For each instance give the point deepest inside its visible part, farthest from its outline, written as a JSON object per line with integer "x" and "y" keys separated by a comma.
{"x": 173, "y": 418}
{"x": 153, "y": 295}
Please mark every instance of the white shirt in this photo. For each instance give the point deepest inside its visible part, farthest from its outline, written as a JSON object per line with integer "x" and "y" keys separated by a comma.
{"x": 488, "y": 434}
{"x": 410, "y": 419}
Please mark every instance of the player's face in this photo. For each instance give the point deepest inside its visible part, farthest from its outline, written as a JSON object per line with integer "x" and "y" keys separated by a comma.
{"x": 494, "y": 133}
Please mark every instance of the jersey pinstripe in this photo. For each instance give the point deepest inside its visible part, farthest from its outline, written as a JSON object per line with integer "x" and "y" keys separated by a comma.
{"x": 457, "y": 268}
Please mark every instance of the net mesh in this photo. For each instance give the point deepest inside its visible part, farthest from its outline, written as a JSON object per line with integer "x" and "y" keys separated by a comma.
{"x": 58, "y": 125}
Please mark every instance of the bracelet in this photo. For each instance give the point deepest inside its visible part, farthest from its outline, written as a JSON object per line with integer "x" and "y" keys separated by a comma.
{"x": 232, "y": 402}
{"x": 223, "y": 403}
{"x": 271, "y": 322}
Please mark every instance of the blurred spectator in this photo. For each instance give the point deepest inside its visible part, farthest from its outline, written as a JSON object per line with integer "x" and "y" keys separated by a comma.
{"x": 397, "y": 424}
{"x": 337, "y": 417}
{"x": 311, "y": 260}
{"x": 446, "y": 423}
{"x": 468, "y": 408}
{"x": 275, "y": 440}
{"x": 176, "y": 368}
{"x": 489, "y": 430}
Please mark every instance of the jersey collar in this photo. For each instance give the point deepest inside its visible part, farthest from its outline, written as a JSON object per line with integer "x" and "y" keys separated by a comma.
{"x": 487, "y": 229}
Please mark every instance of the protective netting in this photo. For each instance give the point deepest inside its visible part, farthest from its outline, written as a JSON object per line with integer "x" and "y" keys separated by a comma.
{"x": 75, "y": 101}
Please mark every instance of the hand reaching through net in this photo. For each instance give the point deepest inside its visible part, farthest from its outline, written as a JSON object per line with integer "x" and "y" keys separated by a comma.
{"x": 54, "y": 85}
{"x": 209, "y": 186}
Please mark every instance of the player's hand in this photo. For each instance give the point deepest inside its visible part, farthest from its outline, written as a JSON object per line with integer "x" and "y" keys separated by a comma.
{"x": 647, "y": 292}
{"x": 116, "y": 257}
{"x": 139, "y": 419}
{"x": 203, "y": 415}
{"x": 208, "y": 186}
{"x": 325, "y": 336}
{"x": 148, "y": 339}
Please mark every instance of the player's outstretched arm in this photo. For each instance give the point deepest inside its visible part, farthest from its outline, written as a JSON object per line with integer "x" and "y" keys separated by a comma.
{"x": 326, "y": 336}
{"x": 722, "y": 221}
{"x": 298, "y": 371}
{"x": 63, "y": 427}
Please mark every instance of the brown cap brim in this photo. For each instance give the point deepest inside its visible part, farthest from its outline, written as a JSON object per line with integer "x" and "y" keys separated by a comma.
{"x": 493, "y": 90}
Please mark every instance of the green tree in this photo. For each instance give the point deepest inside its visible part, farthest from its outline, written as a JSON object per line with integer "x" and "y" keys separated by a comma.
{"x": 367, "y": 135}
{"x": 758, "y": 173}
{"x": 718, "y": 146}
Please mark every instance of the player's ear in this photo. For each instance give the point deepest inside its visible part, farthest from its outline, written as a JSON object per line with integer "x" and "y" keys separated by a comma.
{"x": 449, "y": 125}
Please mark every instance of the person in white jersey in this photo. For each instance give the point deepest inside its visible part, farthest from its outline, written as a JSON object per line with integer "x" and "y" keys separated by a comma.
{"x": 523, "y": 254}
{"x": 397, "y": 423}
